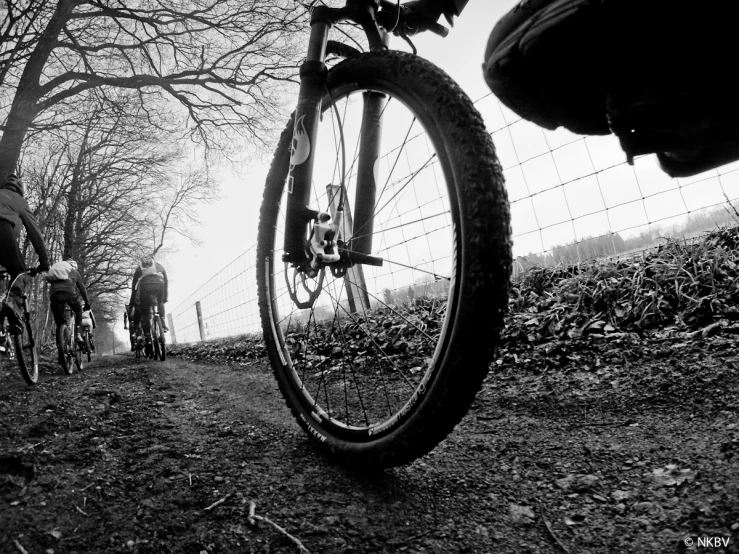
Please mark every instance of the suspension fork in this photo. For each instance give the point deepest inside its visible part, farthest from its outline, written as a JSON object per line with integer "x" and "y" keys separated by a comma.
{"x": 307, "y": 116}
{"x": 312, "y": 81}
{"x": 367, "y": 165}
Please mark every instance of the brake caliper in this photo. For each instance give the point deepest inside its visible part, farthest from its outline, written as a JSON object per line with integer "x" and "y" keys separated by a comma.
{"x": 323, "y": 244}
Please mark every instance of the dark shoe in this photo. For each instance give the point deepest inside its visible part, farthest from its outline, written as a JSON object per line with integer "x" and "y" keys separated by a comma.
{"x": 79, "y": 339}
{"x": 165, "y": 328}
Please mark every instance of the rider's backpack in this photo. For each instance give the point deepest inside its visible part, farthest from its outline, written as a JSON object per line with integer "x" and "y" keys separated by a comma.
{"x": 151, "y": 270}
{"x": 58, "y": 272}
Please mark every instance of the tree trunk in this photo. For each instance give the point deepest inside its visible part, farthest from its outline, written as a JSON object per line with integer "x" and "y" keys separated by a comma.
{"x": 70, "y": 220}
{"x": 26, "y": 105}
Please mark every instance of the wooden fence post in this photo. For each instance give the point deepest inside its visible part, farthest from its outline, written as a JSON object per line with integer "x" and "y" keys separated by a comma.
{"x": 200, "y": 320}
{"x": 171, "y": 328}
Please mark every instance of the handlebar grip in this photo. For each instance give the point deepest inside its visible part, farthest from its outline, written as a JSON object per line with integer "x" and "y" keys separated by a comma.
{"x": 438, "y": 29}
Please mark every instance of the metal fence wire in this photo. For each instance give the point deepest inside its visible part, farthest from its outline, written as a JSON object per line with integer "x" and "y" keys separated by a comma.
{"x": 573, "y": 198}
{"x": 225, "y": 305}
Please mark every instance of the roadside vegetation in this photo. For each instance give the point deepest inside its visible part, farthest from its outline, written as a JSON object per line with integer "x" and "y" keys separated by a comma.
{"x": 681, "y": 289}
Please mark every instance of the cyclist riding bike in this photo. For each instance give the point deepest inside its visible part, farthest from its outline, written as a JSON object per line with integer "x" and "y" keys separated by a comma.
{"x": 14, "y": 213}
{"x": 149, "y": 283}
{"x": 66, "y": 289}
{"x": 88, "y": 322}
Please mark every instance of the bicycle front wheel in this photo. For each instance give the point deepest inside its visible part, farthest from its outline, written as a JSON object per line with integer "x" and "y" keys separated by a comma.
{"x": 385, "y": 361}
{"x": 78, "y": 359}
{"x": 155, "y": 340}
{"x": 25, "y": 353}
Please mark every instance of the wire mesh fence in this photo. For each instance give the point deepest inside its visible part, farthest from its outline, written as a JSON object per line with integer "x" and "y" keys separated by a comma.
{"x": 573, "y": 198}
{"x": 225, "y": 305}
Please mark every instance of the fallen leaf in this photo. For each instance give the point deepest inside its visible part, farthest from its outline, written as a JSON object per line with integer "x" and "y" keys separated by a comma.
{"x": 670, "y": 476}
{"x": 619, "y": 495}
{"x": 520, "y": 514}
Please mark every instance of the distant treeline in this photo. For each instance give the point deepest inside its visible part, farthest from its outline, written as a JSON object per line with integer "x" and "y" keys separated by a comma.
{"x": 612, "y": 244}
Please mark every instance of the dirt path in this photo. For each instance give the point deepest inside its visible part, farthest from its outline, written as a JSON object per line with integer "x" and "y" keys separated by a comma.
{"x": 613, "y": 448}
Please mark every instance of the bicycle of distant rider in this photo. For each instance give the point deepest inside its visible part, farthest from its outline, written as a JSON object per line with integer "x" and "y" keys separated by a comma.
{"x": 69, "y": 349}
{"x": 17, "y": 332}
{"x": 156, "y": 344}
{"x": 382, "y": 305}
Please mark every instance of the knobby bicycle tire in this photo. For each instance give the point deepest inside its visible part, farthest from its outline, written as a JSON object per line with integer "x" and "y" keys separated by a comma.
{"x": 311, "y": 355}
{"x": 26, "y": 355}
{"x": 161, "y": 340}
{"x": 64, "y": 349}
{"x": 77, "y": 349}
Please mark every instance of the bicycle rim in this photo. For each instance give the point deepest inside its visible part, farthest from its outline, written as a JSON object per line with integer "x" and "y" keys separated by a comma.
{"x": 363, "y": 366}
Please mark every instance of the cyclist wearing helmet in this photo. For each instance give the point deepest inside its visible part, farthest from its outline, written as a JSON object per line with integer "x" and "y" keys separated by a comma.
{"x": 66, "y": 289}
{"x": 149, "y": 285}
{"x": 14, "y": 213}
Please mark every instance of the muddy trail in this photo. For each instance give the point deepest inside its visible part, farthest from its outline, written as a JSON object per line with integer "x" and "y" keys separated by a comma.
{"x": 615, "y": 445}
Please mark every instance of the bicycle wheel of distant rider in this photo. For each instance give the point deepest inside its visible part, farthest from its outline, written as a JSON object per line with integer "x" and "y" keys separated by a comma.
{"x": 159, "y": 338}
{"x": 64, "y": 349}
{"x": 78, "y": 359}
{"x": 87, "y": 346}
{"x": 26, "y": 355}
{"x": 388, "y": 359}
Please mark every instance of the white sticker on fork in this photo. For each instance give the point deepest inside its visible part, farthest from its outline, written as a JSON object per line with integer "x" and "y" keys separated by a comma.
{"x": 300, "y": 145}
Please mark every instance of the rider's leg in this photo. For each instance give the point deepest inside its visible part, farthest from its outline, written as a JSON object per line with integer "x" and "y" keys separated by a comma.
{"x": 132, "y": 323}
{"x": 145, "y": 310}
{"x": 76, "y": 305}
{"x": 12, "y": 260}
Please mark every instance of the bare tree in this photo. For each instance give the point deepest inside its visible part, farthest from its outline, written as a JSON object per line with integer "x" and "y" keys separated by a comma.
{"x": 108, "y": 190}
{"x": 222, "y": 61}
